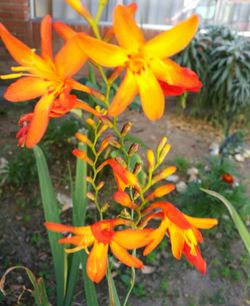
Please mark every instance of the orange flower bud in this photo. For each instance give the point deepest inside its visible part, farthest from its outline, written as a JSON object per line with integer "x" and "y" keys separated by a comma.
{"x": 102, "y": 129}
{"x": 100, "y": 185}
{"x": 91, "y": 122}
{"x": 123, "y": 199}
{"x": 82, "y": 155}
{"x": 90, "y": 196}
{"x": 227, "y": 178}
{"x": 151, "y": 159}
{"x": 126, "y": 128}
{"x": 164, "y": 174}
{"x": 80, "y": 8}
{"x": 83, "y": 138}
{"x": 137, "y": 168}
{"x": 161, "y": 191}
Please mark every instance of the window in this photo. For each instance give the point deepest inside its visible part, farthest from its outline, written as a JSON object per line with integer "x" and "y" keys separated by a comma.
{"x": 158, "y": 13}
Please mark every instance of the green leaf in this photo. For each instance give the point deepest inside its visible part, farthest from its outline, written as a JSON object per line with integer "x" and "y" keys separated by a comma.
{"x": 51, "y": 213}
{"x": 40, "y": 295}
{"x": 113, "y": 295}
{"x": 242, "y": 229}
{"x": 79, "y": 211}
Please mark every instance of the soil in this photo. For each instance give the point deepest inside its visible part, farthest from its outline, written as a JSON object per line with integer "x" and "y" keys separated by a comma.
{"x": 23, "y": 238}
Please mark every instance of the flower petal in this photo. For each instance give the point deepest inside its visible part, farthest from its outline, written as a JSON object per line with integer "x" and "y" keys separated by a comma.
{"x": 204, "y": 223}
{"x": 21, "y": 53}
{"x": 69, "y": 59}
{"x": 175, "y": 75}
{"x": 177, "y": 241}
{"x": 151, "y": 94}
{"x": 156, "y": 237}
{"x": 46, "y": 47}
{"x": 195, "y": 260}
{"x": 124, "y": 96}
{"x": 26, "y": 88}
{"x": 39, "y": 121}
{"x": 124, "y": 256}
{"x": 64, "y": 30}
{"x": 105, "y": 54}
{"x": 97, "y": 262}
{"x": 127, "y": 32}
{"x": 174, "y": 40}
{"x": 132, "y": 239}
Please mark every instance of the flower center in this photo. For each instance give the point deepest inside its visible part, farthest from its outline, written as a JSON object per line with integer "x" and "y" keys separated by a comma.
{"x": 102, "y": 231}
{"x": 137, "y": 64}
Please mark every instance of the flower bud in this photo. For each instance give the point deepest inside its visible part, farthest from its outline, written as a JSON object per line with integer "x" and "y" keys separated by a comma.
{"x": 83, "y": 138}
{"x": 161, "y": 191}
{"x": 90, "y": 196}
{"x": 91, "y": 122}
{"x": 164, "y": 152}
{"x": 102, "y": 130}
{"x": 133, "y": 149}
{"x": 164, "y": 174}
{"x": 126, "y": 128}
{"x": 151, "y": 159}
{"x": 82, "y": 155}
{"x": 137, "y": 168}
{"x": 80, "y": 8}
{"x": 100, "y": 185}
{"x": 161, "y": 145}
{"x": 105, "y": 207}
{"x": 123, "y": 199}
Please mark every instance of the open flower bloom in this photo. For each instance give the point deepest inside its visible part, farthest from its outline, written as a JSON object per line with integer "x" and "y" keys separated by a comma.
{"x": 147, "y": 62}
{"x": 101, "y": 236}
{"x": 182, "y": 231}
{"x": 46, "y": 77}
{"x": 123, "y": 177}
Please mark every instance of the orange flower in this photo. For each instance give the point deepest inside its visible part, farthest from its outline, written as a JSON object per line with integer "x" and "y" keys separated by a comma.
{"x": 123, "y": 176}
{"x": 227, "y": 178}
{"x": 147, "y": 62}
{"x": 182, "y": 230}
{"x": 101, "y": 236}
{"x": 45, "y": 77}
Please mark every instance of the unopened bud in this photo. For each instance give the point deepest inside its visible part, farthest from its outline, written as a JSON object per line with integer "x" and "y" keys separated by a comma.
{"x": 133, "y": 149}
{"x": 151, "y": 159}
{"x": 91, "y": 122}
{"x": 126, "y": 128}
{"x": 90, "y": 196}
{"x": 164, "y": 174}
{"x": 164, "y": 152}
{"x": 161, "y": 191}
{"x": 121, "y": 161}
{"x": 89, "y": 179}
{"x": 102, "y": 129}
{"x": 105, "y": 207}
{"x": 100, "y": 185}
{"x": 83, "y": 156}
{"x": 137, "y": 168}
{"x": 161, "y": 145}
{"x": 80, "y": 8}
{"x": 83, "y": 138}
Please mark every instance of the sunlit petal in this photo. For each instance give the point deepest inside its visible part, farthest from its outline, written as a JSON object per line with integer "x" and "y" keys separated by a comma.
{"x": 26, "y": 88}
{"x": 174, "y": 40}
{"x": 39, "y": 121}
{"x": 124, "y": 96}
{"x": 137, "y": 238}
{"x": 46, "y": 47}
{"x": 126, "y": 30}
{"x": 64, "y": 30}
{"x": 204, "y": 223}
{"x": 69, "y": 59}
{"x": 152, "y": 97}
{"x": 101, "y": 52}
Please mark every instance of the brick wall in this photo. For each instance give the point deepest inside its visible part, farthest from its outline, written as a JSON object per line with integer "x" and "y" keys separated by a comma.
{"x": 15, "y": 15}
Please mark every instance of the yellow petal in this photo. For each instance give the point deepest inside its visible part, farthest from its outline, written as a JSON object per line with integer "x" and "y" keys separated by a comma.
{"x": 39, "y": 121}
{"x": 124, "y": 96}
{"x": 204, "y": 223}
{"x": 152, "y": 97}
{"x": 127, "y": 32}
{"x": 105, "y": 54}
{"x": 177, "y": 241}
{"x": 156, "y": 237}
{"x": 174, "y": 40}
{"x": 97, "y": 262}
{"x": 132, "y": 239}
{"x": 124, "y": 256}
{"x": 26, "y": 88}
{"x": 69, "y": 59}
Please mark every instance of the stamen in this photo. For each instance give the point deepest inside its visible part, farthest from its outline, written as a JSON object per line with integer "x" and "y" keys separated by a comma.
{"x": 11, "y": 76}
{"x": 20, "y": 68}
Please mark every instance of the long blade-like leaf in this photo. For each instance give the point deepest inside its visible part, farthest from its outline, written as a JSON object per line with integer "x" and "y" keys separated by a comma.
{"x": 51, "y": 213}
{"x": 242, "y": 229}
{"x": 79, "y": 212}
{"x": 113, "y": 295}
